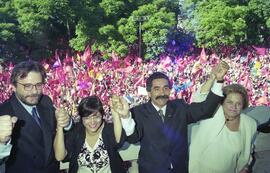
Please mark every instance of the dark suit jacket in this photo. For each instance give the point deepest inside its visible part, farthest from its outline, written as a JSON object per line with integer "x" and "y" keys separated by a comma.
{"x": 265, "y": 127}
{"x": 163, "y": 144}
{"x": 32, "y": 150}
{"x": 75, "y": 139}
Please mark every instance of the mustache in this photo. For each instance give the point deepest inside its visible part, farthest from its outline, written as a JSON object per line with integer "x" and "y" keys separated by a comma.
{"x": 34, "y": 95}
{"x": 162, "y": 97}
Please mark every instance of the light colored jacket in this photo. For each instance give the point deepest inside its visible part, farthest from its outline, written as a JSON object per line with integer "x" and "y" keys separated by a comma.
{"x": 206, "y": 130}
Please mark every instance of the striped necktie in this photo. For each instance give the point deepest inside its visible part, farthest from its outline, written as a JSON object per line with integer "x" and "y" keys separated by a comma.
{"x": 160, "y": 112}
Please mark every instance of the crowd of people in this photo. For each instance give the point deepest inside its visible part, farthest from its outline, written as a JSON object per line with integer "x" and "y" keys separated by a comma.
{"x": 37, "y": 132}
{"x": 72, "y": 77}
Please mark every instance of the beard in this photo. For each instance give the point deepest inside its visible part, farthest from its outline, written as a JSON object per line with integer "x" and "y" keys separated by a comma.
{"x": 30, "y": 100}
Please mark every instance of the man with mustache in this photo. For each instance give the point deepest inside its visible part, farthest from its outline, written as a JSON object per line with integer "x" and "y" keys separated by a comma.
{"x": 28, "y": 123}
{"x": 161, "y": 124}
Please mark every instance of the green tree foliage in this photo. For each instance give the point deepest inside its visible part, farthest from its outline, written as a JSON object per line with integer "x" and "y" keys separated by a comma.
{"x": 119, "y": 27}
{"x": 89, "y": 18}
{"x": 259, "y": 22}
{"x": 227, "y": 22}
{"x": 155, "y": 23}
{"x": 32, "y": 14}
{"x": 216, "y": 23}
{"x": 38, "y": 27}
{"x": 62, "y": 19}
{"x": 112, "y": 7}
{"x": 7, "y": 25}
{"x": 43, "y": 25}
{"x": 9, "y": 31}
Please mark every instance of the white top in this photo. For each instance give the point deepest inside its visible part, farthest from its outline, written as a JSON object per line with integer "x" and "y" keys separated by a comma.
{"x": 216, "y": 149}
{"x": 94, "y": 160}
{"x": 221, "y": 154}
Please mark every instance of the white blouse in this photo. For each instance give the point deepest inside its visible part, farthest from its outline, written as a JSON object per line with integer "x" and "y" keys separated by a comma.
{"x": 94, "y": 160}
{"x": 221, "y": 154}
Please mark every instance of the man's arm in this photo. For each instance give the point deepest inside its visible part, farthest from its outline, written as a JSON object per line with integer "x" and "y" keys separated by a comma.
{"x": 7, "y": 124}
{"x": 70, "y": 123}
{"x": 265, "y": 127}
{"x": 128, "y": 124}
{"x": 136, "y": 127}
{"x": 120, "y": 105}
{"x": 65, "y": 118}
{"x": 132, "y": 128}
{"x": 205, "y": 109}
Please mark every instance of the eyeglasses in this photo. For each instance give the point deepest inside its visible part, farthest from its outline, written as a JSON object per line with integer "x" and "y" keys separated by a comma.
{"x": 95, "y": 118}
{"x": 29, "y": 87}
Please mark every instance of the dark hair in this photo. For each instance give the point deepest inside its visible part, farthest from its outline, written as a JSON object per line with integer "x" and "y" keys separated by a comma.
{"x": 89, "y": 105}
{"x": 236, "y": 88}
{"x": 22, "y": 69}
{"x": 156, "y": 75}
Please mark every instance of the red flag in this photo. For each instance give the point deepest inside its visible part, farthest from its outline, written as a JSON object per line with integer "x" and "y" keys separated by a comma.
{"x": 87, "y": 53}
{"x": 203, "y": 57}
{"x": 57, "y": 62}
{"x": 114, "y": 56}
{"x": 10, "y": 66}
{"x": 260, "y": 50}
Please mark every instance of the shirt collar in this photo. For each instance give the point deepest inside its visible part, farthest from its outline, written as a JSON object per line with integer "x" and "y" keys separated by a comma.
{"x": 157, "y": 108}
{"x": 26, "y": 107}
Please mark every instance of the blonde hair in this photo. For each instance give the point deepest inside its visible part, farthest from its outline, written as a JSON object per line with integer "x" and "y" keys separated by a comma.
{"x": 237, "y": 88}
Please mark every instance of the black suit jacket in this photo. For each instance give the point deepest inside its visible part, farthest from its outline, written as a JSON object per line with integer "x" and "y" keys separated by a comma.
{"x": 32, "y": 150}
{"x": 265, "y": 127}
{"x": 165, "y": 144}
{"x": 75, "y": 139}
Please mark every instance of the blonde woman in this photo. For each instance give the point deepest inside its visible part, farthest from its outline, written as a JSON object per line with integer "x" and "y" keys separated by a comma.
{"x": 223, "y": 144}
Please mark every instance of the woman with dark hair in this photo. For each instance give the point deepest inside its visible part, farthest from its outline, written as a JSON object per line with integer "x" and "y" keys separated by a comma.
{"x": 91, "y": 146}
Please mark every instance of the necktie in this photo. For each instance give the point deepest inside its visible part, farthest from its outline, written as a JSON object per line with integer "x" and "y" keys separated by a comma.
{"x": 35, "y": 115}
{"x": 160, "y": 112}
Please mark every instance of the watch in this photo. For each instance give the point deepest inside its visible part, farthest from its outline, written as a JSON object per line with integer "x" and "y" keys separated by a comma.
{"x": 220, "y": 81}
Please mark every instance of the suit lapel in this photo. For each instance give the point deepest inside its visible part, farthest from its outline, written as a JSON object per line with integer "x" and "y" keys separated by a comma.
{"x": 20, "y": 111}
{"x": 152, "y": 112}
{"x": 46, "y": 129}
{"x": 169, "y": 111}
{"x": 46, "y": 124}
{"x": 24, "y": 116}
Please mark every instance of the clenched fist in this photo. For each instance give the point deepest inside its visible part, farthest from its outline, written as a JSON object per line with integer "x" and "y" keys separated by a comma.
{"x": 120, "y": 106}
{"x": 220, "y": 70}
{"x": 7, "y": 123}
{"x": 62, "y": 118}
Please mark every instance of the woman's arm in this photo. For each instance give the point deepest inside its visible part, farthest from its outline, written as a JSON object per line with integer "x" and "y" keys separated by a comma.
{"x": 59, "y": 141}
{"x": 59, "y": 145}
{"x": 208, "y": 84}
{"x": 117, "y": 126}
{"x": 217, "y": 73}
{"x": 116, "y": 107}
